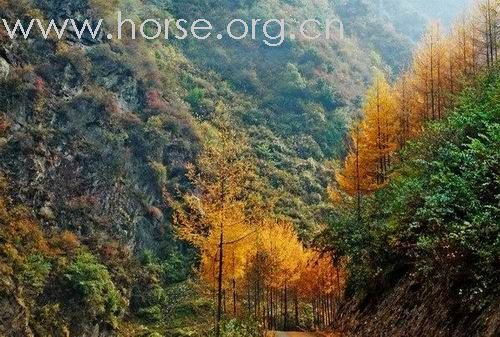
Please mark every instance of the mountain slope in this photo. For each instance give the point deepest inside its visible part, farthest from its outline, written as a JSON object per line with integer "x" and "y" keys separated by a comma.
{"x": 96, "y": 135}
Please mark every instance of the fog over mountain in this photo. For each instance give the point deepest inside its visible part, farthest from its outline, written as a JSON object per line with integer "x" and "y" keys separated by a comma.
{"x": 411, "y": 16}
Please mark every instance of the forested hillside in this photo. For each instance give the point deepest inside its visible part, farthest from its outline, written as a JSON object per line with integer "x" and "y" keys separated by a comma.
{"x": 96, "y": 136}
{"x": 417, "y": 197}
{"x": 200, "y": 188}
{"x": 428, "y": 239}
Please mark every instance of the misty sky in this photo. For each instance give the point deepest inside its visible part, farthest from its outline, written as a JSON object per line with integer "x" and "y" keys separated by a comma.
{"x": 444, "y": 10}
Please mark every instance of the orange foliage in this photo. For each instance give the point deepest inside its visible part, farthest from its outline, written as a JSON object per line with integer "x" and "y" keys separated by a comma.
{"x": 321, "y": 276}
{"x": 154, "y": 100}
{"x": 22, "y": 235}
{"x": 68, "y": 241}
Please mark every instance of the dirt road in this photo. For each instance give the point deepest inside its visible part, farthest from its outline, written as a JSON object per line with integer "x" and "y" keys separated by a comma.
{"x": 296, "y": 334}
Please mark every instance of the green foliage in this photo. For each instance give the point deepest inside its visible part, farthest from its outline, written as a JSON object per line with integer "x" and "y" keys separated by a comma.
{"x": 439, "y": 217}
{"x": 160, "y": 172}
{"x": 447, "y": 205}
{"x": 36, "y": 270}
{"x": 195, "y": 97}
{"x": 150, "y": 297}
{"x": 152, "y": 314}
{"x": 241, "y": 328}
{"x": 92, "y": 285}
{"x": 104, "y": 117}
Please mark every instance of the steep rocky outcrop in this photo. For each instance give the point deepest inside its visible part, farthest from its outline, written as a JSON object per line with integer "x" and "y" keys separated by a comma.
{"x": 73, "y": 137}
{"x": 14, "y": 317}
{"x": 4, "y": 69}
{"x": 411, "y": 309}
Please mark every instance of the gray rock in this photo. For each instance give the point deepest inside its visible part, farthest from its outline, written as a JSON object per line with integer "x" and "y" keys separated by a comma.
{"x": 47, "y": 213}
{"x": 3, "y": 142}
{"x": 4, "y": 69}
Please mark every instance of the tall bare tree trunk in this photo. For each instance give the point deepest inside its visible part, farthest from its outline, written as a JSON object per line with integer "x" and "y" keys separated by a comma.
{"x": 219, "y": 285}
{"x": 234, "y": 296}
{"x": 285, "y": 317}
{"x": 358, "y": 178}
{"x": 296, "y": 303}
{"x": 272, "y": 309}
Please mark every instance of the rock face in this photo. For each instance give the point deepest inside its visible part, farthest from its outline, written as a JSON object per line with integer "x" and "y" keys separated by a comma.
{"x": 13, "y": 317}
{"x": 77, "y": 150}
{"x": 4, "y": 69}
{"x": 412, "y": 310}
{"x": 75, "y": 145}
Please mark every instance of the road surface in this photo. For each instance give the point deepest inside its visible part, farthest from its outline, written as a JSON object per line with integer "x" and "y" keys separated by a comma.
{"x": 296, "y": 334}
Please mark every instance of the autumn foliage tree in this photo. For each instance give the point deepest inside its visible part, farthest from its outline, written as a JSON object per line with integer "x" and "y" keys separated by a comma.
{"x": 215, "y": 221}
{"x": 373, "y": 141}
{"x": 250, "y": 260}
{"x": 393, "y": 115}
{"x": 283, "y": 276}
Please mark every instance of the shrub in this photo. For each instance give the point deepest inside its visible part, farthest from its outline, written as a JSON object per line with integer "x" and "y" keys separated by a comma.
{"x": 149, "y": 297}
{"x": 238, "y": 328}
{"x": 154, "y": 100}
{"x": 92, "y": 283}
{"x": 438, "y": 218}
{"x": 35, "y": 271}
{"x": 160, "y": 171}
{"x": 103, "y": 8}
{"x": 151, "y": 314}
{"x": 195, "y": 97}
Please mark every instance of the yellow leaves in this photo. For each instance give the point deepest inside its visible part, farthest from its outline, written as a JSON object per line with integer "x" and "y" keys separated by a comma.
{"x": 443, "y": 64}
{"x": 10, "y": 252}
{"x": 237, "y": 248}
{"x": 273, "y": 255}
{"x": 217, "y": 215}
{"x": 279, "y": 241}
{"x": 429, "y": 73}
{"x": 21, "y": 237}
{"x": 68, "y": 241}
{"x": 228, "y": 225}
{"x": 409, "y": 124}
{"x": 394, "y": 115}
{"x": 241, "y": 245}
{"x": 373, "y": 141}
{"x": 28, "y": 234}
{"x": 21, "y": 234}
{"x": 334, "y": 194}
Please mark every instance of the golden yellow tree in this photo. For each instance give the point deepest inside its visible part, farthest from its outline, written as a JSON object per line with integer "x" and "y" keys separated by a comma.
{"x": 463, "y": 44}
{"x": 486, "y": 22}
{"x": 355, "y": 177}
{"x": 429, "y": 71}
{"x": 373, "y": 142}
{"x": 379, "y": 128}
{"x": 408, "y": 123}
{"x": 215, "y": 216}
{"x": 286, "y": 252}
{"x": 321, "y": 283}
